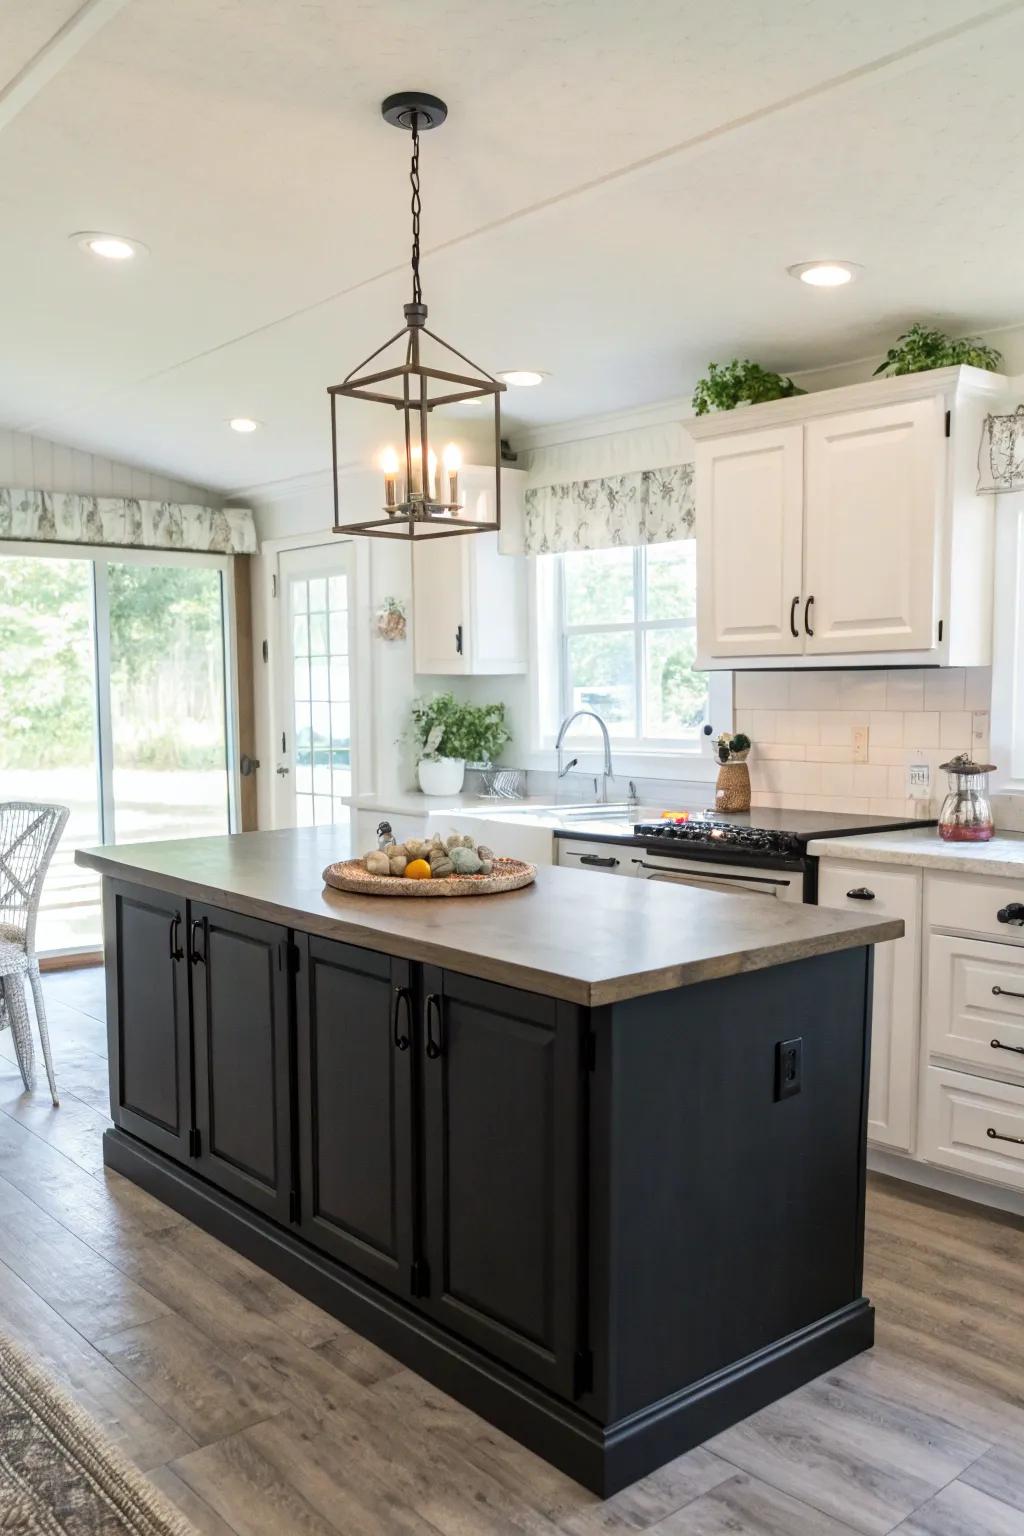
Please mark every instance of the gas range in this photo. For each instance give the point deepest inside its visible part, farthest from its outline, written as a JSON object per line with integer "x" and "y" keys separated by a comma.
{"x": 763, "y": 852}
{"x": 707, "y": 831}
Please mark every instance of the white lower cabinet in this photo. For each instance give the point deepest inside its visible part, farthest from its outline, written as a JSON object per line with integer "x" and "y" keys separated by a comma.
{"x": 976, "y": 1005}
{"x": 972, "y": 1093}
{"x": 973, "y": 1125}
{"x": 895, "y": 1017}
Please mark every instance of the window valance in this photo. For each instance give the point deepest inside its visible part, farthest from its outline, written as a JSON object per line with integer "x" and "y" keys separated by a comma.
{"x": 61, "y": 518}
{"x": 648, "y": 506}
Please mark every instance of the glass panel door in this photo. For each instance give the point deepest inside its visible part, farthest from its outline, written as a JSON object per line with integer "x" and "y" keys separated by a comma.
{"x": 167, "y": 700}
{"x": 315, "y": 771}
{"x": 48, "y": 743}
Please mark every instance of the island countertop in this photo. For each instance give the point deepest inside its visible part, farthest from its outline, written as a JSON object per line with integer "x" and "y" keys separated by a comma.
{"x": 581, "y": 937}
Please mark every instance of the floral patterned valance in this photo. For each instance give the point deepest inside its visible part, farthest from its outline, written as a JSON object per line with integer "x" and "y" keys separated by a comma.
{"x": 649, "y": 506}
{"x": 56, "y": 517}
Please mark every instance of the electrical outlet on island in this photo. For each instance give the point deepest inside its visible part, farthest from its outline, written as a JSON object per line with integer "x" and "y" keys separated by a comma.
{"x": 860, "y": 743}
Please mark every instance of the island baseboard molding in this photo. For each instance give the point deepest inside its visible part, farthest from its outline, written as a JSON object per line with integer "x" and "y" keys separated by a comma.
{"x": 604, "y": 1458}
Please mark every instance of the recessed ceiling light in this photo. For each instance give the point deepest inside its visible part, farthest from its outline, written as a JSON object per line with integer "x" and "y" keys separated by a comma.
{"x": 108, "y": 247}
{"x": 522, "y": 378}
{"x": 243, "y": 424}
{"x": 825, "y": 274}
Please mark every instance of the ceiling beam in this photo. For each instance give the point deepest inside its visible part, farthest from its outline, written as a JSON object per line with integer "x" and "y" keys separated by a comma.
{"x": 57, "y": 51}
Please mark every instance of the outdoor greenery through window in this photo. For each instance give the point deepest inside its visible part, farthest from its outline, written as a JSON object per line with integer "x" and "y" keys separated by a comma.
{"x": 628, "y": 642}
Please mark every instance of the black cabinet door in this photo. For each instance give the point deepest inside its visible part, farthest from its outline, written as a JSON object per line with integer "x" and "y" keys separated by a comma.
{"x": 147, "y": 1015}
{"x": 240, "y": 1010}
{"x": 502, "y": 1110}
{"x": 355, "y": 1055}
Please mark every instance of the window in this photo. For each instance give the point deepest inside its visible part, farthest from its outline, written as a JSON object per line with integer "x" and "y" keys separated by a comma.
{"x": 626, "y": 625}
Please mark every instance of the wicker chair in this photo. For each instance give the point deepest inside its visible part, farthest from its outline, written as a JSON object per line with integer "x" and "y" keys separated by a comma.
{"x": 29, "y": 834}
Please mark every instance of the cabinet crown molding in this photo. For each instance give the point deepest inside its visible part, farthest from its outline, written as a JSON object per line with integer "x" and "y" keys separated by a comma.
{"x": 951, "y": 383}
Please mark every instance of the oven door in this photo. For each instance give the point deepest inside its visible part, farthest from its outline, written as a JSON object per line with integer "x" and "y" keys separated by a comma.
{"x": 708, "y": 875}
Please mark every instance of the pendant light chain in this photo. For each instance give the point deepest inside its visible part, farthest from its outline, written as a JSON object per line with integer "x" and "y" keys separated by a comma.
{"x": 414, "y": 180}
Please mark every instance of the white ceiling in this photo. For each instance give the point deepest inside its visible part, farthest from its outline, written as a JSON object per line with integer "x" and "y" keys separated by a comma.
{"x": 614, "y": 199}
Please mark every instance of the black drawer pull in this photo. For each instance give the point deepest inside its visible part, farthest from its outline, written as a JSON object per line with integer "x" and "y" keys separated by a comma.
{"x": 597, "y": 862}
{"x": 997, "y": 1045}
{"x": 792, "y": 617}
{"x": 177, "y": 953}
{"x": 861, "y": 893}
{"x": 1012, "y": 914}
{"x": 1005, "y": 992}
{"x": 402, "y": 1041}
{"x": 807, "y": 615}
{"x": 995, "y": 1136}
{"x": 194, "y": 955}
{"x": 432, "y": 1015}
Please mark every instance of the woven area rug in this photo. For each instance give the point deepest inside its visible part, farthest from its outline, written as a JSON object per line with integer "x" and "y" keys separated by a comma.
{"x": 59, "y": 1474}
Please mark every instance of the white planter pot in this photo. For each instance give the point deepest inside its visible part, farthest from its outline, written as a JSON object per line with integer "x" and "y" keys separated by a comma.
{"x": 442, "y": 776}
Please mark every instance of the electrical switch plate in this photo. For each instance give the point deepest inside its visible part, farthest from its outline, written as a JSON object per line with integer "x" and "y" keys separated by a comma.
{"x": 979, "y": 733}
{"x": 919, "y": 781}
{"x": 860, "y": 743}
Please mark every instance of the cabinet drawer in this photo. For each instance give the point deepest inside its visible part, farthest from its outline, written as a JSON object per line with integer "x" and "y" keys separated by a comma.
{"x": 972, "y": 906}
{"x": 975, "y": 1012}
{"x": 603, "y": 858}
{"x": 959, "y": 1112}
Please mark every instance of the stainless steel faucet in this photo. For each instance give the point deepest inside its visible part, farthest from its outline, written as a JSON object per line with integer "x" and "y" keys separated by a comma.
{"x": 607, "y": 773}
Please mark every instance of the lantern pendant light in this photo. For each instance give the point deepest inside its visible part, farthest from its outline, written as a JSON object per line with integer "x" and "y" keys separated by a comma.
{"x": 421, "y": 495}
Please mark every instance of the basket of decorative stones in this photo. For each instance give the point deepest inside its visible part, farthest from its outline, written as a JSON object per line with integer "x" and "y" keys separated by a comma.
{"x": 453, "y": 866}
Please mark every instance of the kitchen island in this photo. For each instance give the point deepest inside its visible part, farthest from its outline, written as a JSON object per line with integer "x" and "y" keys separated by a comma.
{"x": 589, "y": 1155}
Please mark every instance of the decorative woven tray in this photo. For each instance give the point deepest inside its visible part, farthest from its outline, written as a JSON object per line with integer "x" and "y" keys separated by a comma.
{"x": 507, "y": 875}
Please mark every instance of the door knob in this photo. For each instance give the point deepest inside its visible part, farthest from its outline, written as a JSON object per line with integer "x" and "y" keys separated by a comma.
{"x": 281, "y": 772}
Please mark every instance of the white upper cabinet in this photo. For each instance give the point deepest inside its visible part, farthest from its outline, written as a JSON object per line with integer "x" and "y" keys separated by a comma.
{"x": 469, "y": 599}
{"x": 749, "y": 542}
{"x": 872, "y": 515}
{"x": 844, "y": 527}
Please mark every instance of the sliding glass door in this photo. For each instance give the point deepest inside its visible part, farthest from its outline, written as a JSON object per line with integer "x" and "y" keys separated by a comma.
{"x": 114, "y": 682}
{"x": 168, "y": 726}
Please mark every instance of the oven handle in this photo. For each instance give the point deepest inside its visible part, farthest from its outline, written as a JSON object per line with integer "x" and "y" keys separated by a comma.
{"x": 693, "y": 874}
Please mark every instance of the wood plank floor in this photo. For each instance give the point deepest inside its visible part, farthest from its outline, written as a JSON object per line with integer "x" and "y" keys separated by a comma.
{"x": 259, "y": 1415}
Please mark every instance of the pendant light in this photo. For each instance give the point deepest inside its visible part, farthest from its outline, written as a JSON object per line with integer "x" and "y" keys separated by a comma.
{"x": 421, "y": 492}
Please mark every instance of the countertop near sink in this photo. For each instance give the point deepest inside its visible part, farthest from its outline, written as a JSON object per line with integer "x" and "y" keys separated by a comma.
{"x": 923, "y": 847}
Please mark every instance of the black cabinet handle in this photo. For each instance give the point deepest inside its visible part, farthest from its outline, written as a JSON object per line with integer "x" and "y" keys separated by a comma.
{"x": 1005, "y": 992}
{"x": 792, "y": 617}
{"x": 597, "y": 861}
{"x": 997, "y": 1045}
{"x": 458, "y": 641}
{"x": 861, "y": 893}
{"x": 995, "y": 1136}
{"x": 432, "y": 1016}
{"x": 177, "y": 953}
{"x": 402, "y": 1041}
{"x": 194, "y": 955}
{"x": 1012, "y": 914}
{"x": 807, "y": 615}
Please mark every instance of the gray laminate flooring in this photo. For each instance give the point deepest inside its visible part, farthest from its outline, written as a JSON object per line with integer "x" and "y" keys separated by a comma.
{"x": 257, "y": 1413}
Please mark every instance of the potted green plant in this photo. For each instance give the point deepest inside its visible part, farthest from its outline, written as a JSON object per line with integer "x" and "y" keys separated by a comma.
{"x": 727, "y": 385}
{"x": 447, "y": 733}
{"x": 921, "y": 348}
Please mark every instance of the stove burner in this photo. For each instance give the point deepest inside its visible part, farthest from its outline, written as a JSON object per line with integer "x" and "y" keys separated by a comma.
{"x": 719, "y": 834}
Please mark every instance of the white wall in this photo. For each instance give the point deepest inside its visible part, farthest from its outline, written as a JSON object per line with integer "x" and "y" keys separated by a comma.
{"x": 38, "y": 464}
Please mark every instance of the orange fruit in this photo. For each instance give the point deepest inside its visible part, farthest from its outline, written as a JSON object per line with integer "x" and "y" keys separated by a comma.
{"x": 417, "y": 869}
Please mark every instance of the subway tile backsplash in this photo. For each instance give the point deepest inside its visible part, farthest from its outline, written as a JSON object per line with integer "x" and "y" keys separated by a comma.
{"x": 805, "y": 751}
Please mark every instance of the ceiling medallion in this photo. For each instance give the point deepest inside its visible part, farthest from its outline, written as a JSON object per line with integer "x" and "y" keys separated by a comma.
{"x": 422, "y": 496}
